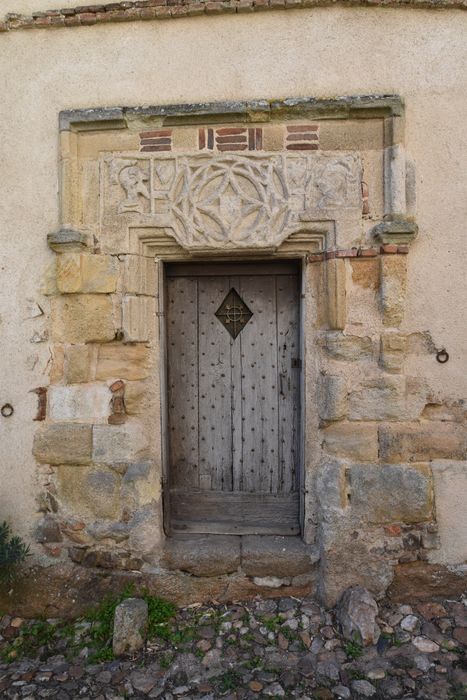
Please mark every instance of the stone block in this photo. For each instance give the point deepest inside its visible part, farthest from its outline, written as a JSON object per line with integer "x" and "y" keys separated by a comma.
{"x": 78, "y": 403}
{"x": 330, "y": 488}
{"x": 332, "y": 397}
{"x": 393, "y": 288}
{"x": 99, "y": 274}
{"x": 347, "y": 347}
{"x": 89, "y": 491}
{"x": 139, "y": 275}
{"x": 366, "y": 272}
{"x": 355, "y": 441}
{"x": 66, "y": 240}
{"x": 58, "y": 364}
{"x": 137, "y": 399}
{"x": 86, "y": 273}
{"x": 450, "y": 487}
{"x": 276, "y": 556}
{"x": 336, "y": 293}
{"x": 78, "y": 364}
{"x": 145, "y": 530}
{"x": 63, "y": 443}
{"x": 82, "y": 318}
{"x": 349, "y": 557}
{"x": 68, "y": 273}
{"x": 391, "y": 493}
{"x": 118, "y": 443}
{"x": 47, "y": 530}
{"x": 119, "y": 361}
{"x": 130, "y": 626}
{"x": 379, "y": 399}
{"x": 422, "y": 442}
{"x": 215, "y": 554}
{"x": 392, "y": 351}
{"x": 139, "y": 319}
{"x": 273, "y": 138}
{"x": 140, "y": 485}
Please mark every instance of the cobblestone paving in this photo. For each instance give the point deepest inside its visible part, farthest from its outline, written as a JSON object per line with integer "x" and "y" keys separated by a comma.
{"x": 283, "y": 648}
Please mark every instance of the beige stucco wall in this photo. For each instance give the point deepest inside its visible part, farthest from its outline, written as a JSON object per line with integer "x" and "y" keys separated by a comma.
{"x": 419, "y": 55}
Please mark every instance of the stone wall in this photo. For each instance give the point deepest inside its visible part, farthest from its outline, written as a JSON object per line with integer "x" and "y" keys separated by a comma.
{"x": 385, "y": 439}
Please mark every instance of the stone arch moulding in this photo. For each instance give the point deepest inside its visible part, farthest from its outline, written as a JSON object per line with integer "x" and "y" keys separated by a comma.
{"x": 318, "y": 180}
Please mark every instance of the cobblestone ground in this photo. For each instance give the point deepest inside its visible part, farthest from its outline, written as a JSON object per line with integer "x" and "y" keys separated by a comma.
{"x": 283, "y": 648}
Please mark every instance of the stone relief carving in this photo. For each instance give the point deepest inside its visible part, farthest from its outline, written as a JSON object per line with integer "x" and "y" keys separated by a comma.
{"x": 132, "y": 179}
{"x": 230, "y": 200}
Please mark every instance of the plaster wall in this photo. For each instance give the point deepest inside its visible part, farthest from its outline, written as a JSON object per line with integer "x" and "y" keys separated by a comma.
{"x": 419, "y": 55}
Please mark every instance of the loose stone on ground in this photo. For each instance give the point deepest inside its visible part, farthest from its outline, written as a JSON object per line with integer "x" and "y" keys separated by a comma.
{"x": 282, "y": 648}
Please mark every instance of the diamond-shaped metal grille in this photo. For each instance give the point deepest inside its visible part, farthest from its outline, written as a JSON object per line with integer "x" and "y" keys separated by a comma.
{"x": 233, "y": 313}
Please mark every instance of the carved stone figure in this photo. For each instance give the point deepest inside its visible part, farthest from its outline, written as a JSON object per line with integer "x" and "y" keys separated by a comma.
{"x": 132, "y": 180}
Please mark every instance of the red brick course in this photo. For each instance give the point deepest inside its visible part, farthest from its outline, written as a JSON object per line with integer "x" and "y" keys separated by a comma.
{"x": 87, "y": 15}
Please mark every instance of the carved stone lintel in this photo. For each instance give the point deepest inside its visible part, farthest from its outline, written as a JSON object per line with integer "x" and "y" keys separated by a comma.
{"x": 395, "y": 232}
{"x": 66, "y": 240}
{"x": 231, "y": 201}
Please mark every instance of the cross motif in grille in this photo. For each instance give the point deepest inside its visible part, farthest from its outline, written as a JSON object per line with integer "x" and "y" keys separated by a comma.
{"x": 233, "y": 313}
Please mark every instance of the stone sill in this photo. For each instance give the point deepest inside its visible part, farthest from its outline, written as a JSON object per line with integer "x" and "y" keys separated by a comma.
{"x": 271, "y": 560}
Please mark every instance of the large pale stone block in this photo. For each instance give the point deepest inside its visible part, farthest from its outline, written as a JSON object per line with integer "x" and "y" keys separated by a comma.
{"x": 118, "y": 443}
{"x": 392, "y": 351}
{"x": 79, "y": 403}
{"x": 379, "y": 399}
{"x": 77, "y": 365}
{"x": 86, "y": 273}
{"x": 63, "y": 443}
{"x": 119, "y": 361}
{"x": 332, "y": 397}
{"x": 82, "y": 318}
{"x": 347, "y": 347}
{"x": 393, "y": 288}
{"x": 391, "y": 493}
{"x": 355, "y": 441}
{"x": 450, "y": 487}
{"x": 89, "y": 491}
{"x": 422, "y": 442}
{"x": 99, "y": 274}
{"x": 139, "y": 318}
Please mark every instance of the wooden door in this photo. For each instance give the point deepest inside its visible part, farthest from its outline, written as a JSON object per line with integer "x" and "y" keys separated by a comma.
{"x": 233, "y": 398}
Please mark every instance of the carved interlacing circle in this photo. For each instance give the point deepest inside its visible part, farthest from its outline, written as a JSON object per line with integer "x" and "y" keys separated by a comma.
{"x": 230, "y": 201}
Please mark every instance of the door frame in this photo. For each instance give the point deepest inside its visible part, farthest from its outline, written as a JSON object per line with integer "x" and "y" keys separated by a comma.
{"x": 301, "y": 261}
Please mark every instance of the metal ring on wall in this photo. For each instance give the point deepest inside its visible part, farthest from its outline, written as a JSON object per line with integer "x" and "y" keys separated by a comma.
{"x": 442, "y": 356}
{"x": 7, "y": 410}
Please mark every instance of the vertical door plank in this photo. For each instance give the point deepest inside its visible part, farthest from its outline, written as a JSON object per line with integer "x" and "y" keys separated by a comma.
{"x": 182, "y": 354}
{"x": 236, "y": 401}
{"x": 215, "y": 427}
{"x": 289, "y": 377}
{"x": 259, "y": 385}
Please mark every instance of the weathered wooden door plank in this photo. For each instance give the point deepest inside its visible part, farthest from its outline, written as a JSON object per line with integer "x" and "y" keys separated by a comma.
{"x": 182, "y": 350}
